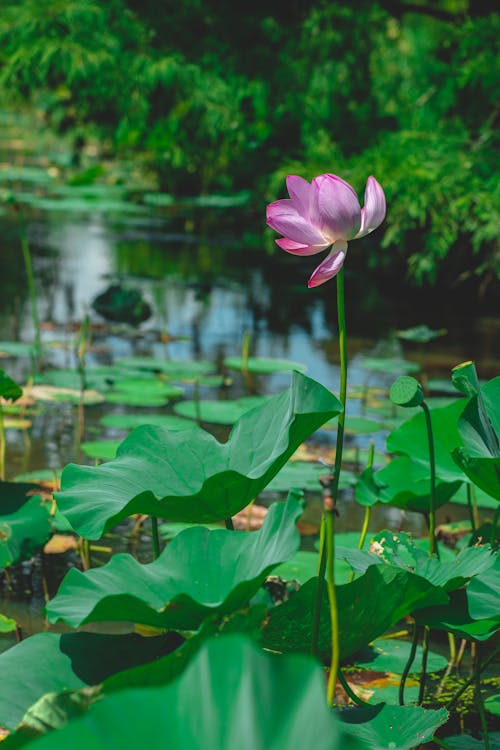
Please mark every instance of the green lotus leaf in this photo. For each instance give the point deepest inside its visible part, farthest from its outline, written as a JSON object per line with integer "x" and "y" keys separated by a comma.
{"x": 17, "y": 349}
{"x": 456, "y": 618}
{"x": 483, "y": 593}
{"x": 391, "y": 655}
{"x": 68, "y": 662}
{"x": 479, "y": 423}
{"x": 198, "y": 573}
{"x": 466, "y": 742}
{"x": 479, "y": 428}
{"x": 405, "y": 484}
{"x": 367, "y": 608}
{"x": 410, "y": 439}
{"x": 189, "y": 475}
{"x": 389, "y": 364}
{"x": 483, "y": 472}
{"x": 263, "y": 365}
{"x": 383, "y": 727}
{"x": 23, "y": 530}
{"x": 7, "y": 624}
{"x": 402, "y": 551}
{"x": 492, "y": 704}
{"x": 249, "y": 621}
{"x": 176, "y": 370}
{"x": 221, "y": 701}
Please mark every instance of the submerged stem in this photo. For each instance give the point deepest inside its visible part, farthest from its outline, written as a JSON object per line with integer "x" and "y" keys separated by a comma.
{"x": 479, "y": 700}
{"x": 350, "y": 692}
{"x": 479, "y": 668}
{"x": 423, "y": 671}
{"x": 155, "y": 536}
{"x": 411, "y": 659}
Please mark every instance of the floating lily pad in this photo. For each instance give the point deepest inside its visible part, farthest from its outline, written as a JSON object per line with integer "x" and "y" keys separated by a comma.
{"x": 421, "y": 334}
{"x": 130, "y": 421}
{"x": 219, "y": 412}
{"x": 389, "y": 365}
{"x": 7, "y": 625}
{"x": 52, "y": 393}
{"x": 466, "y": 742}
{"x": 391, "y": 655}
{"x": 17, "y": 349}
{"x": 400, "y": 727}
{"x": 304, "y": 475}
{"x": 176, "y": 370}
{"x": 262, "y": 365}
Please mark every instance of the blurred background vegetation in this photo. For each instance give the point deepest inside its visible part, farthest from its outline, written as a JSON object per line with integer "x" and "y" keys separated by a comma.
{"x": 213, "y": 96}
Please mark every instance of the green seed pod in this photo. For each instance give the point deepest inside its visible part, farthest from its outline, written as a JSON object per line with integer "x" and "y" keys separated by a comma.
{"x": 406, "y": 391}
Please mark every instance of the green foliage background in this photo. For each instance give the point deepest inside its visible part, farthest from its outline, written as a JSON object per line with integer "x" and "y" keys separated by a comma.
{"x": 216, "y": 96}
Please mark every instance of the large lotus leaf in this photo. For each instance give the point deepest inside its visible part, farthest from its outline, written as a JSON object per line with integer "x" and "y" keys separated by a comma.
{"x": 219, "y": 412}
{"x": 402, "y": 551}
{"x": 404, "y": 484}
{"x": 263, "y": 365}
{"x": 479, "y": 423}
{"x": 230, "y": 696}
{"x": 483, "y": 593}
{"x": 484, "y": 472}
{"x": 466, "y": 742}
{"x": 456, "y": 618}
{"x": 24, "y": 529}
{"x": 48, "y": 662}
{"x": 410, "y": 439}
{"x": 189, "y": 475}
{"x": 391, "y": 655}
{"x": 367, "y": 608}
{"x": 249, "y": 621}
{"x": 199, "y": 572}
{"x": 384, "y": 727}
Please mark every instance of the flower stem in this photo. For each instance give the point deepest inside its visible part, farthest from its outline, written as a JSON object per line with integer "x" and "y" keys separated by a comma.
{"x": 479, "y": 700}
{"x": 423, "y": 671}
{"x": 2, "y": 446}
{"x": 332, "y": 600}
{"x": 327, "y": 548}
{"x": 411, "y": 659}
{"x": 432, "y": 461}
{"x": 155, "y": 537}
{"x": 350, "y": 692}
{"x": 28, "y": 266}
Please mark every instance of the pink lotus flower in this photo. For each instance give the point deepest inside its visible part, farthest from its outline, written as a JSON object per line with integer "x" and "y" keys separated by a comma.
{"x": 325, "y": 213}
